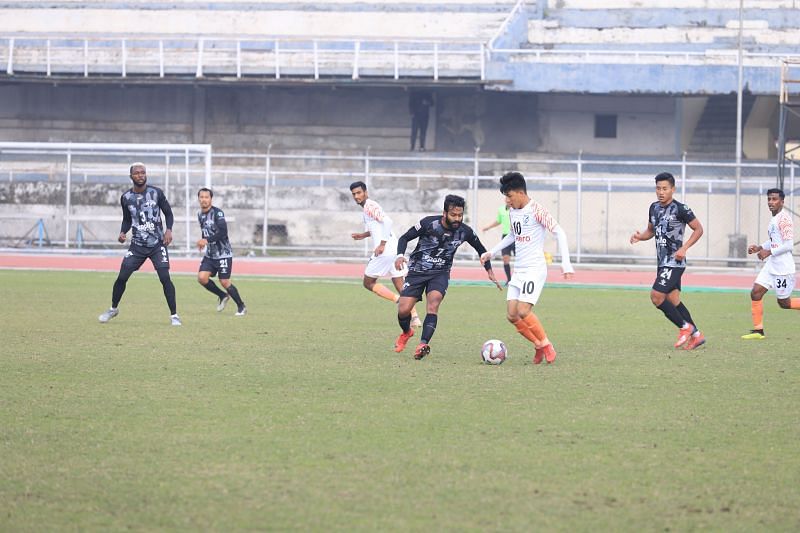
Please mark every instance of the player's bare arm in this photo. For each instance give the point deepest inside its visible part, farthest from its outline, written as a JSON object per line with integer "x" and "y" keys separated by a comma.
{"x": 380, "y": 248}
{"x": 202, "y": 243}
{"x": 490, "y": 226}
{"x": 360, "y": 236}
{"x": 167, "y": 237}
{"x": 697, "y": 232}
{"x": 754, "y": 248}
{"x": 763, "y": 253}
{"x": 400, "y": 261}
{"x": 492, "y": 277}
{"x": 643, "y": 235}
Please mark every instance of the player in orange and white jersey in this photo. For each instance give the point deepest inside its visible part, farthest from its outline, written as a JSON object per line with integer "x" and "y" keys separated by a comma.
{"x": 530, "y": 223}
{"x": 378, "y": 225}
{"x": 778, "y": 270}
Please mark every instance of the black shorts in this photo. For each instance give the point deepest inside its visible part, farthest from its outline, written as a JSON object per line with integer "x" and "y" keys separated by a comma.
{"x": 510, "y": 249}
{"x": 136, "y": 256}
{"x": 668, "y": 279}
{"x": 418, "y": 282}
{"x": 222, "y": 266}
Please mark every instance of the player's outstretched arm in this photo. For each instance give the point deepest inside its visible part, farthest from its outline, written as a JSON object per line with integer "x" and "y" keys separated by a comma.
{"x": 563, "y": 249}
{"x": 493, "y": 278}
{"x": 402, "y": 243}
{"x": 490, "y": 226}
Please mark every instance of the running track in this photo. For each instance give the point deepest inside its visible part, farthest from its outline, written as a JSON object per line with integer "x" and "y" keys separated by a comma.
{"x": 694, "y": 278}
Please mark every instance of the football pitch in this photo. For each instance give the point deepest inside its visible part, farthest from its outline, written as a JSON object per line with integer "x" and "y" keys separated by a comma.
{"x": 299, "y": 416}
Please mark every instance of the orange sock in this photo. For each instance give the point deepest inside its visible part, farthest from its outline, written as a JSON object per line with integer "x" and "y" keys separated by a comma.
{"x": 532, "y": 321}
{"x": 795, "y": 303}
{"x": 525, "y": 331}
{"x": 757, "y": 309}
{"x": 383, "y": 292}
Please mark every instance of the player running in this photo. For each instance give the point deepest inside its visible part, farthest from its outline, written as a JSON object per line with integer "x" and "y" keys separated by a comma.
{"x": 218, "y": 257}
{"x": 778, "y": 270}
{"x": 667, "y": 222}
{"x": 429, "y": 268}
{"x": 379, "y": 227}
{"x": 142, "y": 206}
{"x": 529, "y": 221}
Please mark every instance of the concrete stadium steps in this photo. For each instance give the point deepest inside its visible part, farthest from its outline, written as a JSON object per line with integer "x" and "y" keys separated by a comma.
{"x": 673, "y": 4}
{"x": 715, "y": 134}
{"x": 438, "y": 25}
{"x": 270, "y": 5}
{"x": 545, "y": 33}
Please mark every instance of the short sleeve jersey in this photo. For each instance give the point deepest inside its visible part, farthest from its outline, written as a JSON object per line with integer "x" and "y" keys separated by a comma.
{"x": 215, "y": 231}
{"x": 529, "y": 226}
{"x": 669, "y": 224}
{"x": 379, "y": 226}
{"x": 780, "y": 229}
{"x": 145, "y": 213}
{"x": 437, "y": 245}
{"x": 503, "y": 220}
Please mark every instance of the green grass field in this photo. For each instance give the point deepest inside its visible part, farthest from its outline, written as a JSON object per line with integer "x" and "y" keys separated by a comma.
{"x": 300, "y": 417}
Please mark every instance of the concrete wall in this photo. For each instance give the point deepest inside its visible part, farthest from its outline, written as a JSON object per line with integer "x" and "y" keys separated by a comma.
{"x": 645, "y": 125}
{"x": 251, "y": 118}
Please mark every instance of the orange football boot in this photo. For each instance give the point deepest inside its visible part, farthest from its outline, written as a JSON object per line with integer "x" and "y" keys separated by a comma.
{"x": 400, "y": 343}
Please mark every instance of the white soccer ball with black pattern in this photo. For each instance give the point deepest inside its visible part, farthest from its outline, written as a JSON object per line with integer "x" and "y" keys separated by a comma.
{"x": 494, "y": 352}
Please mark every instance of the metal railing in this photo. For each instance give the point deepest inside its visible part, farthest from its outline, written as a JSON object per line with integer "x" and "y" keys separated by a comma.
{"x": 713, "y": 56}
{"x": 300, "y": 204}
{"x": 209, "y": 56}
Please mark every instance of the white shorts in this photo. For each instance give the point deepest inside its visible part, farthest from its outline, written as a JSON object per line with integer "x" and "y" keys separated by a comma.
{"x": 526, "y": 286}
{"x": 383, "y": 265}
{"x": 783, "y": 284}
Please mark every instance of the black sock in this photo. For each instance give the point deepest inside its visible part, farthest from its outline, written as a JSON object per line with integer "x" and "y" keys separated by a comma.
{"x": 687, "y": 317}
{"x": 169, "y": 290}
{"x": 212, "y": 287}
{"x": 234, "y": 292}
{"x": 671, "y": 313}
{"x": 428, "y": 327}
{"x": 507, "y": 268}
{"x": 405, "y": 323}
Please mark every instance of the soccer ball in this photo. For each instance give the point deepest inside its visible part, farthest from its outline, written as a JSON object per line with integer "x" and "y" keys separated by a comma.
{"x": 494, "y": 352}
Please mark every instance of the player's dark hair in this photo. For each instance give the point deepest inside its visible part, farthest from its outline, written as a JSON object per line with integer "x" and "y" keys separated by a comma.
{"x": 777, "y": 191}
{"x": 513, "y": 181}
{"x": 666, "y": 176}
{"x": 357, "y": 184}
{"x": 205, "y": 189}
{"x": 452, "y": 200}
{"x": 137, "y": 164}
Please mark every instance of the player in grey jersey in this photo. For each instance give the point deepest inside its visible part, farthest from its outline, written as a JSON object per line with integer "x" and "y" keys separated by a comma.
{"x": 218, "y": 259}
{"x": 667, "y": 221}
{"x": 142, "y": 206}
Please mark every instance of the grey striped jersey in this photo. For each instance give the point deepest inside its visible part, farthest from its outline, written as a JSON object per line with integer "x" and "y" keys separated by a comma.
{"x": 141, "y": 212}
{"x": 215, "y": 231}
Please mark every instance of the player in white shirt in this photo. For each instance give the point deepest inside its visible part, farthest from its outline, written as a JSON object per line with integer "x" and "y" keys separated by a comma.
{"x": 529, "y": 224}
{"x": 778, "y": 270}
{"x": 378, "y": 225}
